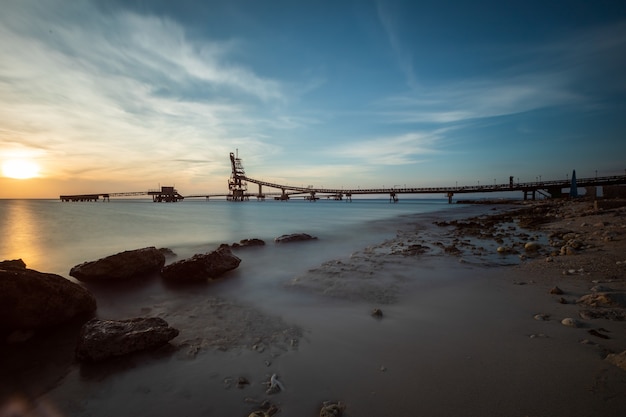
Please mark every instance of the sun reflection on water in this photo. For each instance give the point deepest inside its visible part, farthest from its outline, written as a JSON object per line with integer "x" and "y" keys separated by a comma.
{"x": 19, "y": 236}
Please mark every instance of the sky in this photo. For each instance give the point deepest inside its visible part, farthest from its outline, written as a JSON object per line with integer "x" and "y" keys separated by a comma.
{"x": 129, "y": 95}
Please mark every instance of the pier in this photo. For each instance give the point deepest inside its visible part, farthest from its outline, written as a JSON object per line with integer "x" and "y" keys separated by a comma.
{"x": 165, "y": 194}
{"x": 238, "y": 189}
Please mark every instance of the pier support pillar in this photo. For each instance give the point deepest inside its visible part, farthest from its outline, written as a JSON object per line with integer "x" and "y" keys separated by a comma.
{"x": 450, "y": 194}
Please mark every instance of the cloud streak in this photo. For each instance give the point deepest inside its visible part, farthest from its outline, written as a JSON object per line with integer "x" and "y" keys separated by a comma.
{"x": 564, "y": 73}
{"x": 102, "y": 88}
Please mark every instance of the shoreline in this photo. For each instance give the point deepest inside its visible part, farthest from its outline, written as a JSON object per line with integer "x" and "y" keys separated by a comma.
{"x": 473, "y": 345}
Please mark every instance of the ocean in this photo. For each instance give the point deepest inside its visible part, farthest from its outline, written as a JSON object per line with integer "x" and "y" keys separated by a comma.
{"x": 52, "y": 236}
{"x": 249, "y": 324}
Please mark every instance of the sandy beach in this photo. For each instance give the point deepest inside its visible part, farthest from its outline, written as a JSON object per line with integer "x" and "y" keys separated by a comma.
{"x": 471, "y": 322}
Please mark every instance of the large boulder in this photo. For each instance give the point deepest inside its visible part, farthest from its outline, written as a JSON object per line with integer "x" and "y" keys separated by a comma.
{"x": 202, "y": 267}
{"x": 294, "y": 237}
{"x": 103, "y": 339}
{"x": 121, "y": 266}
{"x": 31, "y": 299}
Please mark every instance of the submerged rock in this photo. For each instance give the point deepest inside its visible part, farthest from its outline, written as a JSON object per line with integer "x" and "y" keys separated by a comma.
{"x": 31, "y": 299}
{"x": 332, "y": 409}
{"x": 617, "y": 359}
{"x": 295, "y": 237}
{"x": 202, "y": 267}
{"x": 121, "y": 266}
{"x": 603, "y": 299}
{"x": 103, "y": 339}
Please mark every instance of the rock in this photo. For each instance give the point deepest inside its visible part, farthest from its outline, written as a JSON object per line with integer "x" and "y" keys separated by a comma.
{"x": 600, "y": 288}
{"x": 103, "y": 339}
{"x": 377, "y": 312}
{"x": 596, "y": 333}
{"x": 570, "y": 322}
{"x": 267, "y": 410}
{"x": 202, "y": 267}
{"x": 574, "y": 243}
{"x": 615, "y": 314}
{"x": 31, "y": 299}
{"x": 13, "y": 264}
{"x": 332, "y": 409}
{"x": 617, "y": 359}
{"x": 121, "y": 266}
{"x": 542, "y": 317}
{"x": 295, "y": 237}
{"x": 567, "y": 250}
{"x": 532, "y": 247}
{"x": 603, "y": 299}
{"x": 556, "y": 290}
{"x": 248, "y": 242}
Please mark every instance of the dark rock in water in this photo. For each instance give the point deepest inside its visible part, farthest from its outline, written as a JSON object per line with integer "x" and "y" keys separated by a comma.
{"x": 295, "y": 237}
{"x": 121, "y": 266}
{"x": 377, "y": 312}
{"x": 248, "y": 242}
{"x": 167, "y": 252}
{"x": 31, "y": 299}
{"x": 202, "y": 267}
{"x": 103, "y": 339}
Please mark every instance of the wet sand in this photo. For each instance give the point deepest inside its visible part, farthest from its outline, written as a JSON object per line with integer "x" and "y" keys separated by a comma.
{"x": 458, "y": 334}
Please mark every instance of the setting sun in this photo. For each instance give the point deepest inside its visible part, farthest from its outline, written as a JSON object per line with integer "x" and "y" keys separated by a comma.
{"x": 20, "y": 169}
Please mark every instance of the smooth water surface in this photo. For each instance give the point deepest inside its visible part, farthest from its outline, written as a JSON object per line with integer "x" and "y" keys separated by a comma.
{"x": 52, "y": 236}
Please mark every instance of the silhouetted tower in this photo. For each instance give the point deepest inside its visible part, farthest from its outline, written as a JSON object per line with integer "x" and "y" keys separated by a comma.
{"x": 236, "y": 183}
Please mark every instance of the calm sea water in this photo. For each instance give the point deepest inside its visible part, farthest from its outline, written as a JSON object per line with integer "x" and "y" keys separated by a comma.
{"x": 52, "y": 236}
{"x": 342, "y": 348}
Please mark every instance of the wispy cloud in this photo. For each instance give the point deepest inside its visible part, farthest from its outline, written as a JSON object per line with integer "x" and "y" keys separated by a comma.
{"x": 402, "y": 149}
{"x": 564, "y": 73}
{"x": 125, "y": 89}
{"x": 402, "y": 54}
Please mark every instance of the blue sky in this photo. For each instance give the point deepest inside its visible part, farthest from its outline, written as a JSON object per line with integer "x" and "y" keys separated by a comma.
{"x": 110, "y": 96}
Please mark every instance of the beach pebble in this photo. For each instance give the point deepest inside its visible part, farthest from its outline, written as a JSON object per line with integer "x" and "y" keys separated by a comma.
{"x": 377, "y": 312}
{"x": 541, "y": 317}
{"x": 600, "y": 288}
{"x": 570, "y": 322}
{"x": 532, "y": 246}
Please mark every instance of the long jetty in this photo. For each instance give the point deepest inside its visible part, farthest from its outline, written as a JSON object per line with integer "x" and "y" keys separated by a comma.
{"x": 238, "y": 189}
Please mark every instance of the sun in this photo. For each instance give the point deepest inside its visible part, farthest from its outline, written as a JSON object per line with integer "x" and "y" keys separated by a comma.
{"x": 20, "y": 169}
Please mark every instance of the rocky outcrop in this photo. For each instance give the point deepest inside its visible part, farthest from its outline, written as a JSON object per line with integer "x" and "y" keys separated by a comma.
{"x": 121, "y": 266}
{"x": 31, "y": 299}
{"x": 103, "y": 339}
{"x": 295, "y": 237}
{"x": 202, "y": 267}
